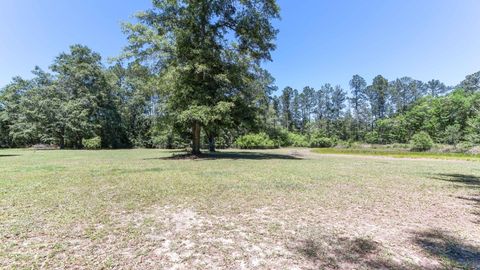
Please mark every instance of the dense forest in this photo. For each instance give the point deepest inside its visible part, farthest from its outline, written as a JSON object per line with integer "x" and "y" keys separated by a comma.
{"x": 180, "y": 84}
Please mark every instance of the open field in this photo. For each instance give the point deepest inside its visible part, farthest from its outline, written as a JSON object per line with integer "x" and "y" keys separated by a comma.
{"x": 279, "y": 209}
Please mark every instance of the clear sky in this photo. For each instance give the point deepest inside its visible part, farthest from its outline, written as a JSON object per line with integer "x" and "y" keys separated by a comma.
{"x": 320, "y": 41}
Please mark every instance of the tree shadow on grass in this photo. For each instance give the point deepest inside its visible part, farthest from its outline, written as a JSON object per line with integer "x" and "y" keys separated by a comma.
{"x": 227, "y": 156}
{"x": 2, "y": 156}
{"x": 465, "y": 181}
{"x": 328, "y": 252}
{"x": 352, "y": 253}
{"x": 449, "y": 250}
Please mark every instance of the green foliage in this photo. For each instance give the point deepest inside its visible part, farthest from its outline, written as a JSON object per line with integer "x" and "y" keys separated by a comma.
{"x": 452, "y": 134}
{"x": 422, "y": 141}
{"x": 372, "y": 137}
{"x": 186, "y": 80}
{"x": 473, "y": 130}
{"x": 280, "y": 136}
{"x": 93, "y": 143}
{"x": 255, "y": 141}
{"x": 205, "y": 73}
{"x": 168, "y": 141}
{"x": 322, "y": 142}
{"x": 297, "y": 140}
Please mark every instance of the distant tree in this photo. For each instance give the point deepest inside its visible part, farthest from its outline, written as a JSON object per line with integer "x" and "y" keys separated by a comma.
{"x": 405, "y": 91}
{"x": 202, "y": 52}
{"x": 378, "y": 97}
{"x": 277, "y": 113}
{"x": 87, "y": 97}
{"x": 140, "y": 107}
{"x": 264, "y": 86}
{"x": 323, "y": 106}
{"x": 436, "y": 88}
{"x": 286, "y": 104}
{"x": 358, "y": 101}
{"x": 338, "y": 98}
{"x": 471, "y": 83}
{"x": 307, "y": 104}
{"x": 296, "y": 110}
{"x": 11, "y": 113}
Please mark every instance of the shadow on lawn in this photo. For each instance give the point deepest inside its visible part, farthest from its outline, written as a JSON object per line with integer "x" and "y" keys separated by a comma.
{"x": 9, "y": 156}
{"x": 450, "y": 251}
{"x": 353, "y": 253}
{"x": 228, "y": 156}
{"x": 363, "y": 253}
{"x": 466, "y": 181}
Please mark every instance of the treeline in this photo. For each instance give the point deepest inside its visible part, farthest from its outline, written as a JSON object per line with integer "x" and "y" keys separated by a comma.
{"x": 382, "y": 112}
{"x": 80, "y": 103}
{"x": 77, "y": 101}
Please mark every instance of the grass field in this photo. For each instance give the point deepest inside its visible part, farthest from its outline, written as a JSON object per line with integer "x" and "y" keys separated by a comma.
{"x": 279, "y": 209}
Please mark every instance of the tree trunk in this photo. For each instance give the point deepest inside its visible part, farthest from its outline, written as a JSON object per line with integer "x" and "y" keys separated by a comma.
{"x": 211, "y": 143}
{"x": 196, "y": 138}
{"x": 62, "y": 142}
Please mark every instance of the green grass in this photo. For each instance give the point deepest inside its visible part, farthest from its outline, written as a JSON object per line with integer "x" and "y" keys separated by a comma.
{"x": 271, "y": 209}
{"x": 397, "y": 153}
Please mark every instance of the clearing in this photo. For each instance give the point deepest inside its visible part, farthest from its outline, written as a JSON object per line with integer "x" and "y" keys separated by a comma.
{"x": 278, "y": 209}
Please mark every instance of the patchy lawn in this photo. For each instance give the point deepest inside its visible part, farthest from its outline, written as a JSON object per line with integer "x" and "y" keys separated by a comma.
{"x": 280, "y": 209}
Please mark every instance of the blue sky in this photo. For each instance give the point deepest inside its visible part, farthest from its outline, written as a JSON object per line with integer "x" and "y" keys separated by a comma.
{"x": 319, "y": 41}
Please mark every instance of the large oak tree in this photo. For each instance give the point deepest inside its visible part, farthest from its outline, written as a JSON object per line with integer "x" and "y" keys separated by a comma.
{"x": 204, "y": 53}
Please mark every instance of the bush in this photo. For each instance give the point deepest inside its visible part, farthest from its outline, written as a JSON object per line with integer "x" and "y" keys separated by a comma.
{"x": 322, "y": 142}
{"x": 372, "y": 137}
{"x": 93, "y": 143}
{"x": 255, "y": 141}
{"x": 297, "y": 140}
{"x": 422, "y": 141}
{"x": 280, "y": 136}
{"x": 452, "y": 134}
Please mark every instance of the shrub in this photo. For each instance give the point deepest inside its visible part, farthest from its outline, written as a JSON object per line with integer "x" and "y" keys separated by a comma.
{"x": 93, "y": 143}
{"x": 255, "y": 141}
{"x": 322, "y": 142}
{"x": 279, "y": 136}
{"x": 473, "y": 130}
{"x": 422, "y": 141}
{"x": 372, "y": 137}
{"x": 464, "y": 147}
{"x": 297, "y": 140}
{"x": 452, "y": 134}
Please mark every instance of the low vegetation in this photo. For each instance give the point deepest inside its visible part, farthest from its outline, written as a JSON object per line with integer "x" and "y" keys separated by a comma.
{"x": 255, "y": 141}
{"x": 398, "y": 153}
{"x": 422, "y": 142}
